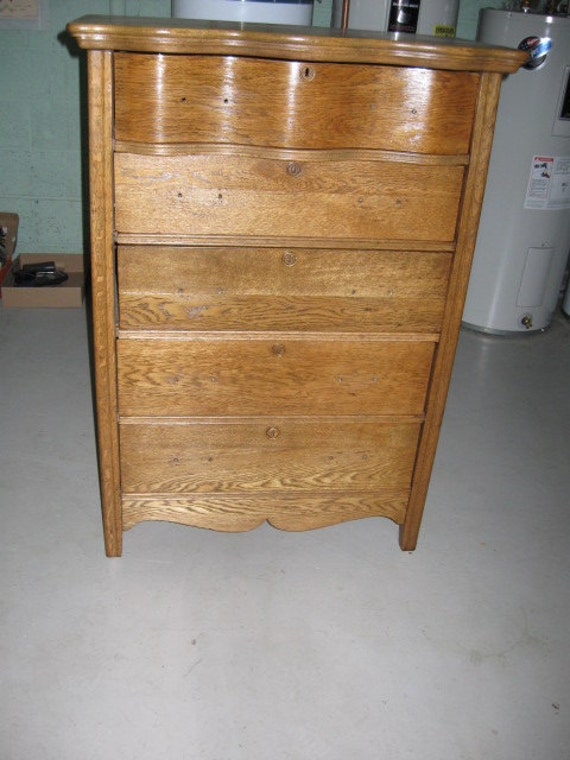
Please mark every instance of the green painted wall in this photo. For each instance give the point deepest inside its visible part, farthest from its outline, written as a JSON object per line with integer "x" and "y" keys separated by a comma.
{"x": 40, "y": 121}
{"x": 40, "y": 133}
{"x": 469, "y": 16}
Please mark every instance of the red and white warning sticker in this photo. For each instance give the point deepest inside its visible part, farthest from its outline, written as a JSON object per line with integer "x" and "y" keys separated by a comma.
{"x": 548, "y": 183}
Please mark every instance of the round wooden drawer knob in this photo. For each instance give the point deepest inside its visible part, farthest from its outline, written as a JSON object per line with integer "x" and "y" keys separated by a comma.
{"x": 294, "y": 169}
{"x": 289, "y": 259}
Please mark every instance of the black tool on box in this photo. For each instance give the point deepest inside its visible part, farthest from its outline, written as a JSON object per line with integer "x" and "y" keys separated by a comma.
{"x": 3, "y": 250}
{"x": 38, "y": 275}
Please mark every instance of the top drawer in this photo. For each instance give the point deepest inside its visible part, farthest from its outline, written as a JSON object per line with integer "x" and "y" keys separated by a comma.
{"x": 172, "y": 99}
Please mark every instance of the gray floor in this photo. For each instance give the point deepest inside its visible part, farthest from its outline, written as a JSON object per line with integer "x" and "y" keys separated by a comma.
{"x": 267, "y": 645}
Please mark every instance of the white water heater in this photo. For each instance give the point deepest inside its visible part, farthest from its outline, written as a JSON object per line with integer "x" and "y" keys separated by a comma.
{"x": 524, "y": 233}
{"x": 297, "y": 12}
{"x": 433, "y": 17}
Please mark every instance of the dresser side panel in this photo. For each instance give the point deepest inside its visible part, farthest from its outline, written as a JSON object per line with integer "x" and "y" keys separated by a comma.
{"x": 102, "y": 283}
{"x": 445, "y": 353}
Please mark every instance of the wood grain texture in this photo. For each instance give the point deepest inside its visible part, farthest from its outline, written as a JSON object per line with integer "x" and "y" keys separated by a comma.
{"x": 201, "y": 288}
{"x": 295, "y": 212}
{"x": 281, "y": 241}
{"x": 286, "y": 511}
{"x": 289, "y": 154}
{"x": 171, "y": 377}
{"x": 162, "y": 99}
{"x": 272, "y": 455}
{"x": 206, "y": 194}
{"x": 102, "y": 288}
{"x": 160, "y": 35}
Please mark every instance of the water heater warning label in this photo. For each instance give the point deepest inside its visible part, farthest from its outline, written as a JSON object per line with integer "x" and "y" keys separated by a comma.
{"x": 548, "y": 183}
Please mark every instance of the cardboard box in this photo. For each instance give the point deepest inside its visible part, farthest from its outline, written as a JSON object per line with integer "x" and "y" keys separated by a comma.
{"x": 8, "y": 236}
{"x": 67, "y": 295}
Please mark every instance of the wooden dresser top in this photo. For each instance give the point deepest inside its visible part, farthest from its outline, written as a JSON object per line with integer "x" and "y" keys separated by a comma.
{"x": 164, "y": 35}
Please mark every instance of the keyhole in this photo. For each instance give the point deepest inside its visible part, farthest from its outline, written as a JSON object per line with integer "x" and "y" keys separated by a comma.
{"x": 307, "y": 73}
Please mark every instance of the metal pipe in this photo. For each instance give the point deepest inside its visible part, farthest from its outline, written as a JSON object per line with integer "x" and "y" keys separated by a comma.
{"x": 345, "y": 10}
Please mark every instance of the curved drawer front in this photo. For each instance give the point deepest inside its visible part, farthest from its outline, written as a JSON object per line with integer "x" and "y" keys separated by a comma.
{"x": 169, "y": 377}
{"x": 273, "y": 455}
{"x": 215, "y": 194}
{"x": 281, "y": 289}
{"x": 168, "y": 99}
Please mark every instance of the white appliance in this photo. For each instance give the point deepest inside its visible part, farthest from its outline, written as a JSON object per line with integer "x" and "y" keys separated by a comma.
{"x": 370, "y": 15}
{"x": 438, "y": 17}
{"x": 434, "y": 17}
{"x": 524, "y": 233}
{"x": 297, "y": 12}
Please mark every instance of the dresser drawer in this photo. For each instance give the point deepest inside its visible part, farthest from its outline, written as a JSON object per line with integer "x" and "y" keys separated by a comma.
{"x": 272, "y": 455}
{"x": 168, "y": 99}
{"x": 211, "y": 194}
{"x": 281, "y": 289}
{"x": 181, "y": 376}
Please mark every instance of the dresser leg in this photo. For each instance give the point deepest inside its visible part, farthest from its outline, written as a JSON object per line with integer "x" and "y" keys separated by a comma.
{"x": 113, "y": 544}
{"x": 408, "y": 537}
{"x": 112, "y": 516}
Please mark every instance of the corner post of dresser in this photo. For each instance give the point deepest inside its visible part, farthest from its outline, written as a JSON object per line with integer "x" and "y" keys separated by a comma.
{"x": 100, "y": 83}
{"x": 466, "y": 237}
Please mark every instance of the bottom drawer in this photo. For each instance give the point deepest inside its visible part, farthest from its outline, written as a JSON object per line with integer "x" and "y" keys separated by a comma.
{"x": 234, "y": 475}
{"x": 236, "y": 457}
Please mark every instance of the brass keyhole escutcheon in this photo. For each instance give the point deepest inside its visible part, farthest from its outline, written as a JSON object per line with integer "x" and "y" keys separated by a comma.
{"x": 294, "y": 169}
{"x": 278, "y": 350}
{"x": 289, "y": 259}
{"x": 273, "y": 432}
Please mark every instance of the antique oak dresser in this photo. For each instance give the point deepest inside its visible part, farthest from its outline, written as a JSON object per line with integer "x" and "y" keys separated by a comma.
{"x": 282, "y": 225}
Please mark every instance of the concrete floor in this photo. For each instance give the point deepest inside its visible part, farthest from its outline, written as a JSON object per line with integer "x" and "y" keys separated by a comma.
{"x": 330, "y": 644}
